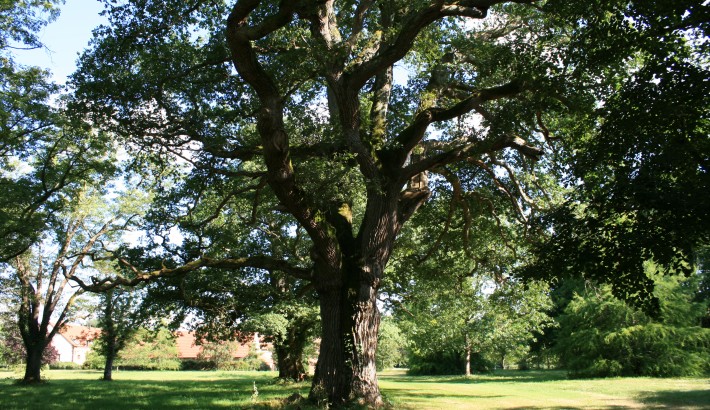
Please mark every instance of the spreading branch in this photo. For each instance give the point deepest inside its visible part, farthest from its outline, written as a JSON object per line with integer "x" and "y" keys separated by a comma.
{"x": 139, "y": 276}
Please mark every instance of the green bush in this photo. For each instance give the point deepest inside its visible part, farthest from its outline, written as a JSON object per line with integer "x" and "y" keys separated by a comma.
{"x": 440, "y": 363}
{"x": 601, "y": 336}
{"x": 65, "y": 366}
{"x": 94, "y": 360}
{"x": 662, "y": 351}
{"x": 150, "y": 350}
{"x": 197, "y": 364}
{"x": 250, "y": 362}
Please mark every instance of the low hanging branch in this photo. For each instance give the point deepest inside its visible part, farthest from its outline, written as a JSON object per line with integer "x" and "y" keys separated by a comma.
{"x": 139, "y": 276}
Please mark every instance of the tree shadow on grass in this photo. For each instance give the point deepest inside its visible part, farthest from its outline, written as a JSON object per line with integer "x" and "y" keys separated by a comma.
{"x": 669, "y": 399}
{"x": 147, "y": 394}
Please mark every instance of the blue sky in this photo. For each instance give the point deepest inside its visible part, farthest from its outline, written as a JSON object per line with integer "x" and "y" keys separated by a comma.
{"x": 65, "y": 38}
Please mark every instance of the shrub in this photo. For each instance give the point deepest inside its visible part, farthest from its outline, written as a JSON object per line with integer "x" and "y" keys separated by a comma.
{"x": 601, "y": 336}
{"x": 250, "y": 362}
{"x": 150, "y": 351}
{"x": 94, "y": 360}
{"x": 218, "y": 354}
{"x": 197, "y": 364}
{"x": 64, "y": 366}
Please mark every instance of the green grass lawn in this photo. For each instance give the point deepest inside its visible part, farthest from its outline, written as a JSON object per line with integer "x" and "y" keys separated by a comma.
{"x": 67, "y": 389}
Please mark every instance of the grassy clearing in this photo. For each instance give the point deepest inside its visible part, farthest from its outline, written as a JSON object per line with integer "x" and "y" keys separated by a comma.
{"x": 68, "y": 389}
{"x": 543, "y": 390}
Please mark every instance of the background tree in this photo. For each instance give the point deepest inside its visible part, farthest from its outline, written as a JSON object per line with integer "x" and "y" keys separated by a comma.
{"x": 234, "y": 304}
{"x": 452, "y": 287}
{"x": 391, "y": 345}
{"x": 150, "y": 350}
{"x": 119, "y": 319}
{"x": 47, "y": 160}
{"x": 472, "y": 325}
{"x": 39, "y": 282}
{"x": 221, "y": 308}
{"x": 241, "y": 90}
{"x": 600, "y": 335}
{"x": 43, "y": 153}
{"x": 520, "y": 313}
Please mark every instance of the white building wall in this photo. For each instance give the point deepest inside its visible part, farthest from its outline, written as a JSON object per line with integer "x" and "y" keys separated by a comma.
{"x": 63, "y": 347}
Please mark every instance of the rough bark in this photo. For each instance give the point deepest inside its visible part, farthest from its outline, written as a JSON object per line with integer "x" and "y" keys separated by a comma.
{"x": 346, "y": 369}
{"x": 33, "y": 365}
{"x": 365, "y": 325}
{"x": 289, "y": 353}
{"x": 290, "y": 363}
{"x": 331, "y": 383}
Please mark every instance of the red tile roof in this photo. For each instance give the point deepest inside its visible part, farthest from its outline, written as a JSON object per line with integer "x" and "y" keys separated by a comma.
{"x": 189, "y": 349}
{"x": 79, "y": 335}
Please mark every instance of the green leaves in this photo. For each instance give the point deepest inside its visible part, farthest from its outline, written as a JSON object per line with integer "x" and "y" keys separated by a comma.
{"x": 20, "y": 20}
{"x": 640, "y": 170}
{"x": 601, "y": 336}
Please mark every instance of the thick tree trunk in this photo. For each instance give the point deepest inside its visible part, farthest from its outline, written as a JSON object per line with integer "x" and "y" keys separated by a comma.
{"x": 289, "y": 352}
{"x": 366, "y": 324}
{"x": 346, "y": 368}
{"x": 290, "y": 363}
{"x": 331, "y": 383}
{"x": 33, "y": 365}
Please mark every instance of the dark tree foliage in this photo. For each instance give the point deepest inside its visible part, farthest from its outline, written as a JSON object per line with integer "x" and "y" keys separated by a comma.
{"x": 640, "y": 175}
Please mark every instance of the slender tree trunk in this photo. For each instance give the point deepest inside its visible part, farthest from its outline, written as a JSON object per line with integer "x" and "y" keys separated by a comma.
{"x": 468, "y": 358}
{"x": 33, "y": 365}
{"x": 108, "y": 369}
{"x": 109, "y": 335}
{"x": 108, "y": 365}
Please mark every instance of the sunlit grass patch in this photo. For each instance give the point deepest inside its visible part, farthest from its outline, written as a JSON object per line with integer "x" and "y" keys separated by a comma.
{"x": 72, "y": 389}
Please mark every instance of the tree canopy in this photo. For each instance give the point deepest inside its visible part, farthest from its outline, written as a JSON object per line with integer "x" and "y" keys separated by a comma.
{"x": 336, "y": 121}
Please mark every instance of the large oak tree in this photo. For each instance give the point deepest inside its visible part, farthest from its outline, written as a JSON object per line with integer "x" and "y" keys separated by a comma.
{"x": 349, "y": 115}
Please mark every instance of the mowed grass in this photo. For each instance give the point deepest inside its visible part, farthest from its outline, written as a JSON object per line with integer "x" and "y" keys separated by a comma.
{"x": 234, "y": 390}
{"x": 543, "y": 390}
{"x": 73, "y": 389}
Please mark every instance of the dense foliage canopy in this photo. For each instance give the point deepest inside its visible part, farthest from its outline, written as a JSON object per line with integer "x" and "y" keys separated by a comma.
{"x": 291, "y": 146}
